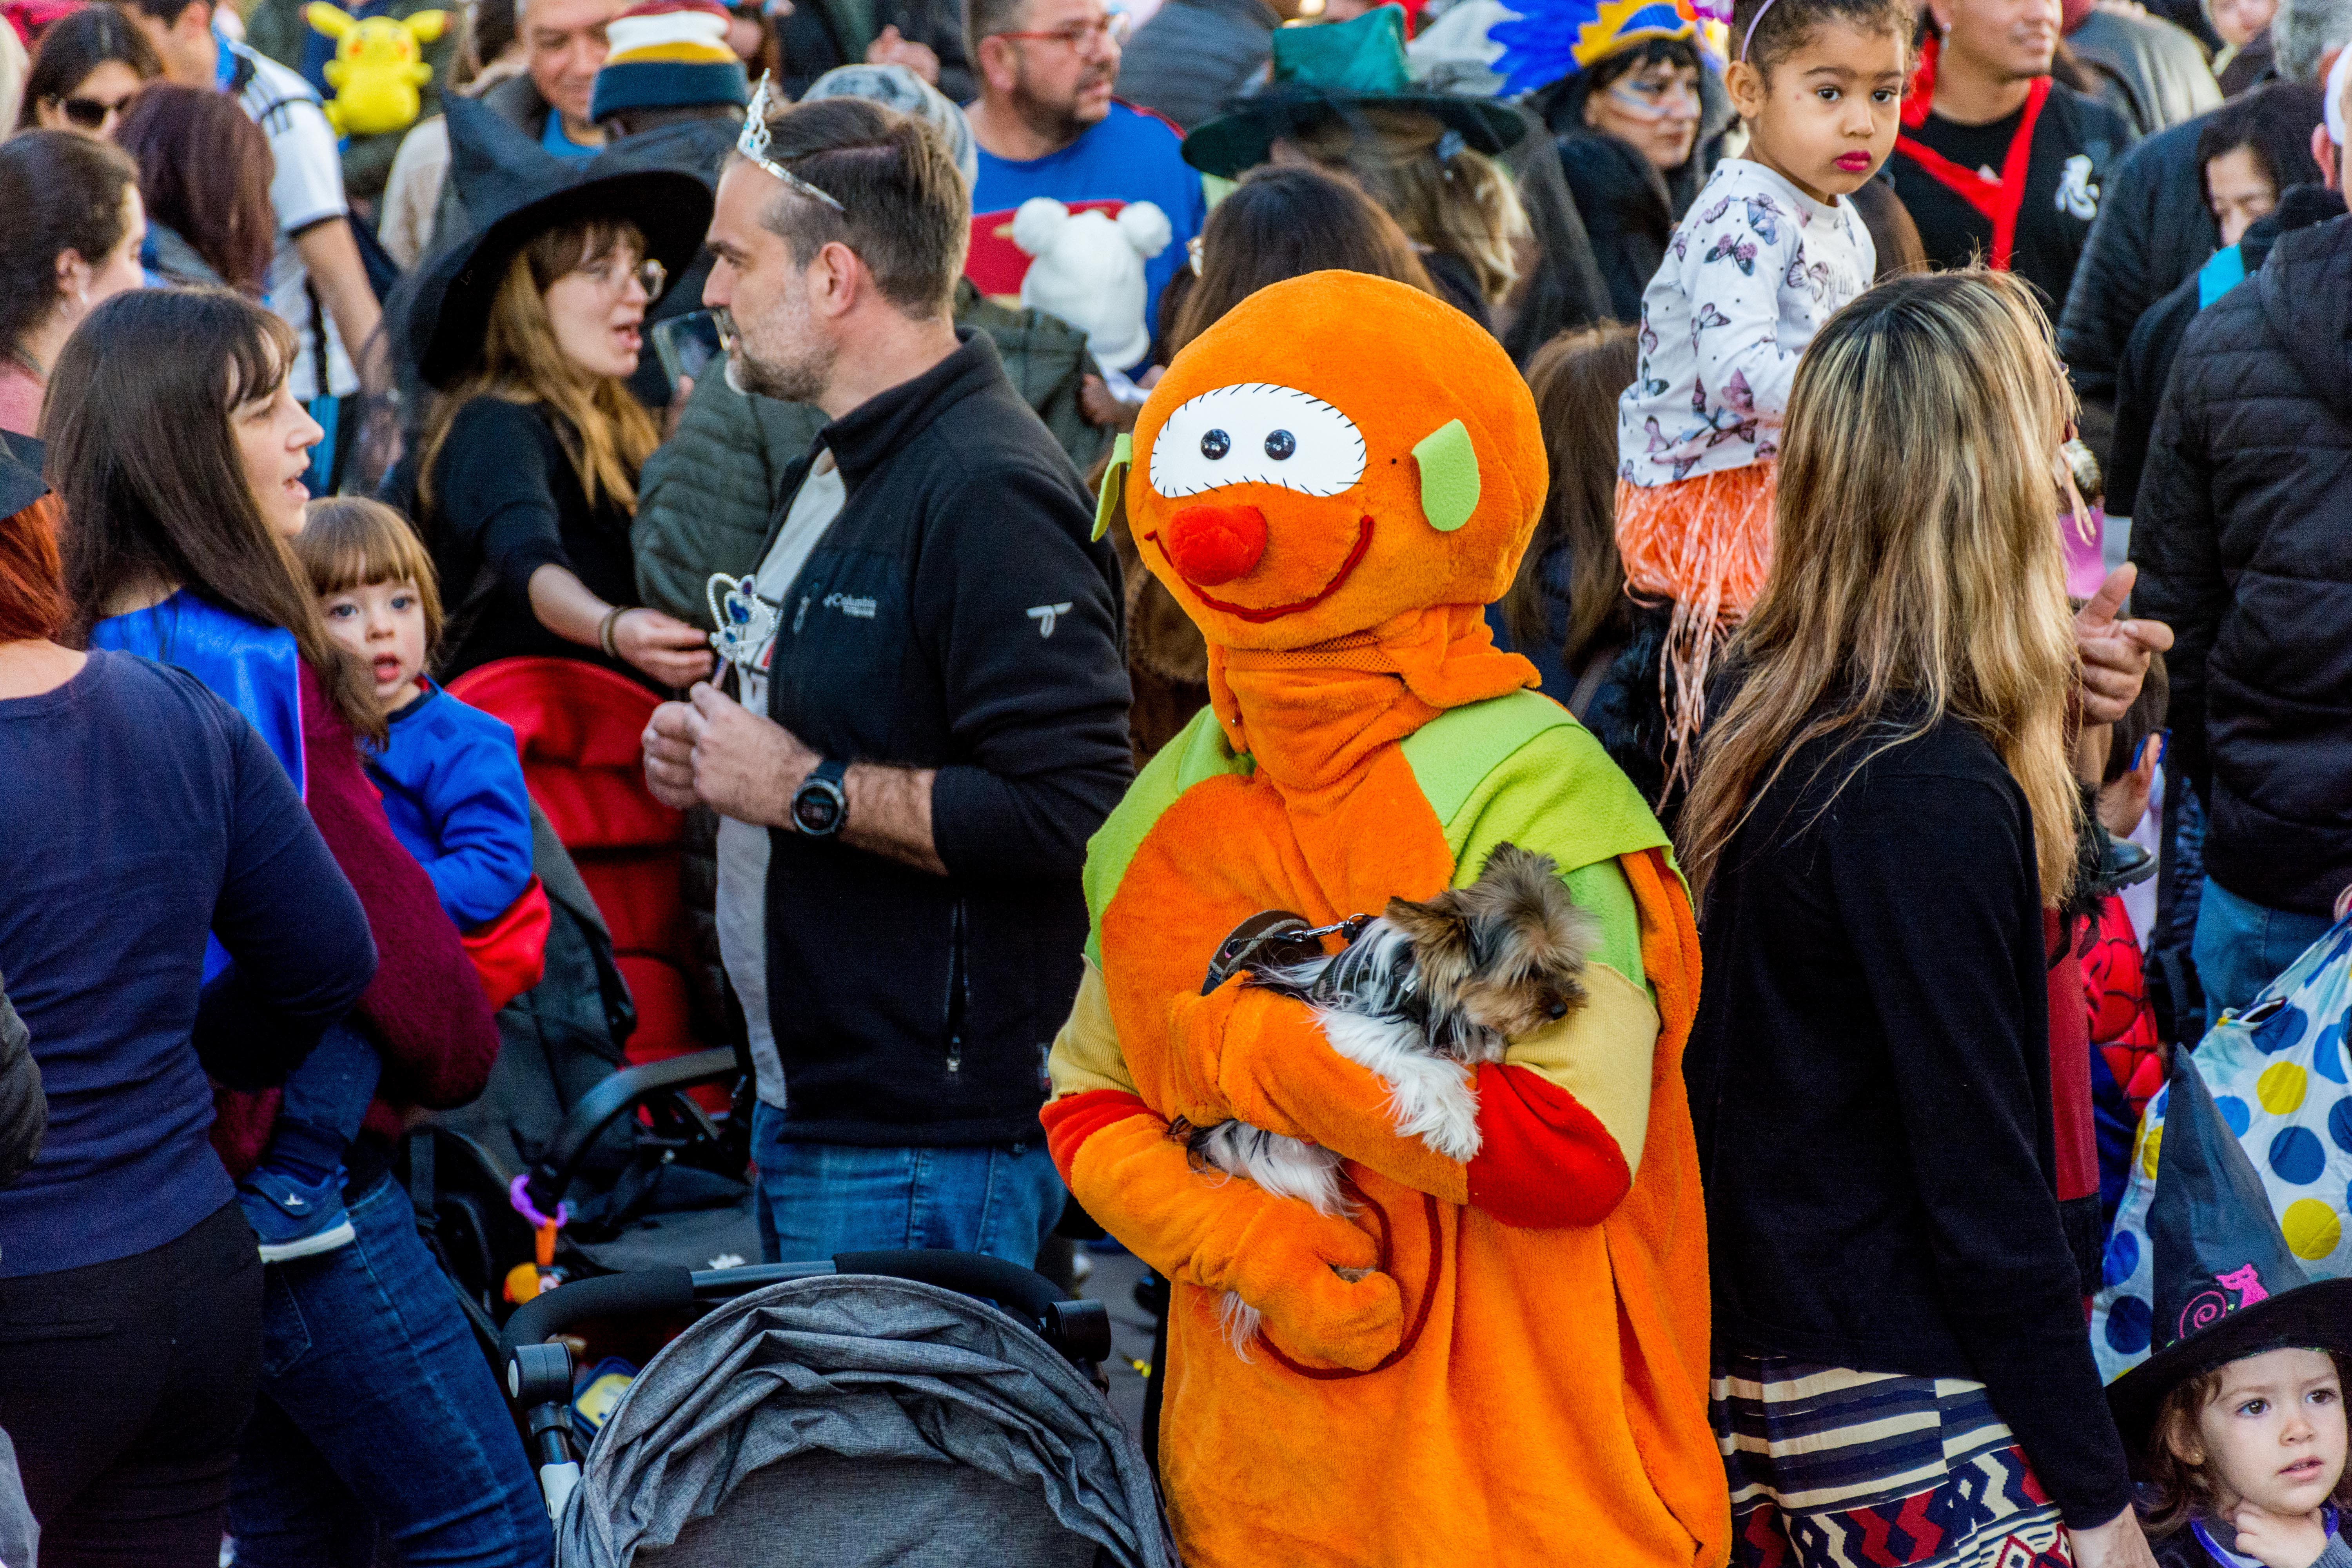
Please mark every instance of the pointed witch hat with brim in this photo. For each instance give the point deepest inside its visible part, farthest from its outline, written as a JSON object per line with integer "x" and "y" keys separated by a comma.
{"x": 2227, "y": 1285}
{"x": 1335, "y": 71}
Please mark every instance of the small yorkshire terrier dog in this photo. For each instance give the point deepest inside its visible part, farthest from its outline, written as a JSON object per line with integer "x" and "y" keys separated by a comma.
{"x": 1417, "y": 995}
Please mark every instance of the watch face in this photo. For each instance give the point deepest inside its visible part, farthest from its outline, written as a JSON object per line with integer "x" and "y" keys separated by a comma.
{"x": 817, "y": 809}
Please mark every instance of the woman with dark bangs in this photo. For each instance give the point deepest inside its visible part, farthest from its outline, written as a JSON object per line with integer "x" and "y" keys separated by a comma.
{"x": 525, "y": 479}
{"x": 130, "y": 1295}
{"x": 89, "y": 68}
{"x": 178, "y": 451}
{"x": 204, "y": 169}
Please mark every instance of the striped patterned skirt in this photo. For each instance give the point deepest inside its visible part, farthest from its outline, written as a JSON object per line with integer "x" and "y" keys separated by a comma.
{"x": 1864, "y": 1470}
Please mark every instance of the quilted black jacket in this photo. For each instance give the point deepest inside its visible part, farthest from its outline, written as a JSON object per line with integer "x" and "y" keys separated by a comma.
{"x": 2153, "y": 230}
{"x": 2244, "y": 544}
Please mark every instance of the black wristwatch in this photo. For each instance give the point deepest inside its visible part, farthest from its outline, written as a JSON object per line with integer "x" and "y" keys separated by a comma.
{"x": 821, "y": 805}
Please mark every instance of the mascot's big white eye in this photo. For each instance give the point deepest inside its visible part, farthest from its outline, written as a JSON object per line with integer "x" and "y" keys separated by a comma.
{"x": 1257, "y": 433}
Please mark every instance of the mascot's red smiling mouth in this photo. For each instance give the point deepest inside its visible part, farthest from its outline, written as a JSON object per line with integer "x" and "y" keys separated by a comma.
{"x": 1276, "y": 612}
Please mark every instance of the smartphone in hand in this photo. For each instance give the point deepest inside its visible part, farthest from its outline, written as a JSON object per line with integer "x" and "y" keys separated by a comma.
{"x": 688, "y": 344}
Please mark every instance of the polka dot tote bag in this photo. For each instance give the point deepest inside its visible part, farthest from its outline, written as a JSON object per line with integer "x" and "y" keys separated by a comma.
{"x": 2278, "y": 1074}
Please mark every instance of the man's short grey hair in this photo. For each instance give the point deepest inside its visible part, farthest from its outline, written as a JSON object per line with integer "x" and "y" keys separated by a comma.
{"x": 2304, "y": 30}
{"x": 985, "y": 19}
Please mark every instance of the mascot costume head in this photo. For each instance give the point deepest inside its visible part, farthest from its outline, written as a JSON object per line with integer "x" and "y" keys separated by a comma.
{"x": 1497, "y": 1358}
{"x": 1356, "y": 514}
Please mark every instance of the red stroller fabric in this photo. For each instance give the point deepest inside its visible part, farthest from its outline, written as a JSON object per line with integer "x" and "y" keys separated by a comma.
{"x": 578, "y": 728}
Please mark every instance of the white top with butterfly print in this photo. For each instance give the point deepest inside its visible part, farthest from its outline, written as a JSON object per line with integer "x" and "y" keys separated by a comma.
{"x": 1754, "y": 269}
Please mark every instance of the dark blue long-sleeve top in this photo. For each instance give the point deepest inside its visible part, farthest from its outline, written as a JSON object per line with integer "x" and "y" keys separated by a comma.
{"x": 137, "y": 811}
{"x": 453, "y": 790}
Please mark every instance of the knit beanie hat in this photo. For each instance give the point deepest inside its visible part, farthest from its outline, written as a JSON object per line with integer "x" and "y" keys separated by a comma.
{"x": 668, "y": 54}
{"x": 896, "y": 87}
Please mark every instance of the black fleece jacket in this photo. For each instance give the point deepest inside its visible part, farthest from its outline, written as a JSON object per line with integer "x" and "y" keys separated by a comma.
{"x": 1870, "y": 1084}
{"x": 2244, "y": 539}
{"x": 955, "y": 615}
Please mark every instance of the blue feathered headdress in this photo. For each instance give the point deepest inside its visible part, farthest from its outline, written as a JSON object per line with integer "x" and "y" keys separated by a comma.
{"x": 1549, "y": 39}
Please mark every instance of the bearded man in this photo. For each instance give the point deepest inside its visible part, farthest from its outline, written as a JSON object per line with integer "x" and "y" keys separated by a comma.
{"x": 1048, "y": 126}
{"x": 930, "y": 716}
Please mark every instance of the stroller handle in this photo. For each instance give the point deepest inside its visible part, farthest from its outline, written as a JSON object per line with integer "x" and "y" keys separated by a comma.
{"x": 1078, "y": 1331}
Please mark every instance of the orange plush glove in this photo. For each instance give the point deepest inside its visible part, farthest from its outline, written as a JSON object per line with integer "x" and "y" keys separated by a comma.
{"x": 1224, "y": 1234}
{"x": 1242, "y": 1051}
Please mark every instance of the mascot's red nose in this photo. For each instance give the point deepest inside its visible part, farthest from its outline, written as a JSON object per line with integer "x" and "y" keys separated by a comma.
{"x": 1213, "y": 545}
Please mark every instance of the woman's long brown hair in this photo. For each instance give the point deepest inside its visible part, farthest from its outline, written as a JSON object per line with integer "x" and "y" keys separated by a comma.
{"x": 143, "y": 454}
{"x": 204, "y": 168}
{"x": 1917, "y": 570}
{"x": 606, "y": 430}
{"x": 1279, "y": 224}
{"x": 1576, "y": 378}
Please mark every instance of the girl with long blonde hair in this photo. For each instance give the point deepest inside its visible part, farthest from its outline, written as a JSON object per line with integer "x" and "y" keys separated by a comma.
{"x": 526, "y": 476}
{"x": 1883, "y": 812}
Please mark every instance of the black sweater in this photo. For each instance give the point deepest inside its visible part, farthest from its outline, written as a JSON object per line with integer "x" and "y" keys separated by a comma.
{"x": 507, "y": 501}
{"x": 955, "y": 615}
{"x": 1870, "y": 1078}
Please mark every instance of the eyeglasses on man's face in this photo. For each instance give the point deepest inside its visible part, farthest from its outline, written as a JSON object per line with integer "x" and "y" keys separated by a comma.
{"x": 1102, "y": 34}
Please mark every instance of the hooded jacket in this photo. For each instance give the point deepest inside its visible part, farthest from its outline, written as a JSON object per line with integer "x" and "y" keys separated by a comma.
{"x": 2240, "y": 540}
{"x": 2147, "y": 366}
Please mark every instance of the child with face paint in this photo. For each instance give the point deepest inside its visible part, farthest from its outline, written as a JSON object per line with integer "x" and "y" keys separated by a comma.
{"x": 1771, "y": 248}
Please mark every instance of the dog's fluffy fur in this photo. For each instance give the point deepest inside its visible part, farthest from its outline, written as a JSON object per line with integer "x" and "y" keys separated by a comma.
{"x": 1434, "y": 989}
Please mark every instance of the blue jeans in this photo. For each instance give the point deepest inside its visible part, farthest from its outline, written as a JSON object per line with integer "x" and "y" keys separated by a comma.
{"x": 326, "y": 1098}
{"x": 2241, "y": 947}
{"x": 817, "y": 1199}
{"x": 379, "y": 1416}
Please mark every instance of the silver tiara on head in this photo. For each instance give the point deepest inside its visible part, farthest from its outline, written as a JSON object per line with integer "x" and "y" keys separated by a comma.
{"x": 753, "y": 144}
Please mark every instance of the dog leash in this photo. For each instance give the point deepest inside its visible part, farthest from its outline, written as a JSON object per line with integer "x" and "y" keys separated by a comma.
{"x": 1387, "y": 1262}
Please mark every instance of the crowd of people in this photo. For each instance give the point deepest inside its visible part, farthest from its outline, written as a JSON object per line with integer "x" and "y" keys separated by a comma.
{"x": 1086, "y": 493}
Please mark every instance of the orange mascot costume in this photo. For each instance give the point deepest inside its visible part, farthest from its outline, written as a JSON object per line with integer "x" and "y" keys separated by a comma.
{"x": 1332, "y": 480}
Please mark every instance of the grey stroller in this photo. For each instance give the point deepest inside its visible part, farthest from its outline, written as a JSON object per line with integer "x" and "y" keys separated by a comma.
{"x": 875, "y": 1409}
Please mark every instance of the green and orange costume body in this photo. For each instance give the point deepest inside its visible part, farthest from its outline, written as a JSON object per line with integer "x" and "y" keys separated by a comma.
{"x": 1521, "y": 1377}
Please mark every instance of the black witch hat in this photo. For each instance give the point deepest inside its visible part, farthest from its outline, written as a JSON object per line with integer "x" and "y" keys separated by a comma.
{"x": 445, "y": 306}
{"x": 2227, "y": 1286}
{"x": 20, "y": 473}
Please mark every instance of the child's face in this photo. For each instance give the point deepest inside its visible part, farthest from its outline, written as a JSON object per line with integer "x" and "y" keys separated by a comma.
{"x": 2273, "y": 1435}
{"x": 1827, "y": 116}
{"x": 2240, "y": 22}
{"x": 383, "y": 622}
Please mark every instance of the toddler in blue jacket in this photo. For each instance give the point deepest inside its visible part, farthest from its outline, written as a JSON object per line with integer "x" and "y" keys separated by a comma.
{"x": 453, "y": 792}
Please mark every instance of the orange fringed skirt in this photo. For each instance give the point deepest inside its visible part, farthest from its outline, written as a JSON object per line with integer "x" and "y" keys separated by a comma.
{"x": 1704, "y": 544}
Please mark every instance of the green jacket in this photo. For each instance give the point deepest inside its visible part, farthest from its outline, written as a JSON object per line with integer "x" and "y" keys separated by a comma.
{"x": 706, "y": 496}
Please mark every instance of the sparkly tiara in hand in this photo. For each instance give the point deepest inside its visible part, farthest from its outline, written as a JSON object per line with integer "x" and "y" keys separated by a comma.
{"x": 753, "y": 144}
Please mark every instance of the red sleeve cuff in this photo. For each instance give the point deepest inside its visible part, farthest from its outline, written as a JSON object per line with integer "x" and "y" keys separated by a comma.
{"x": 1544, "y": 1162}
{"x": 1074, "y": 1118}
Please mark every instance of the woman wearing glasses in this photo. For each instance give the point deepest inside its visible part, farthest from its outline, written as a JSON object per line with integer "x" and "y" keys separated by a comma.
{"x": 525, "y": 478}
{"x": 90, "y": 64}
{"x": 70, "y": 243}
{"x": 1637, "y": 116}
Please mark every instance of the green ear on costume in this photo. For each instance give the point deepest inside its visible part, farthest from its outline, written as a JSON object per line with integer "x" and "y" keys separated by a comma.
{"x": 1109, "y": 499}
{"x": 1449, "y": 476}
